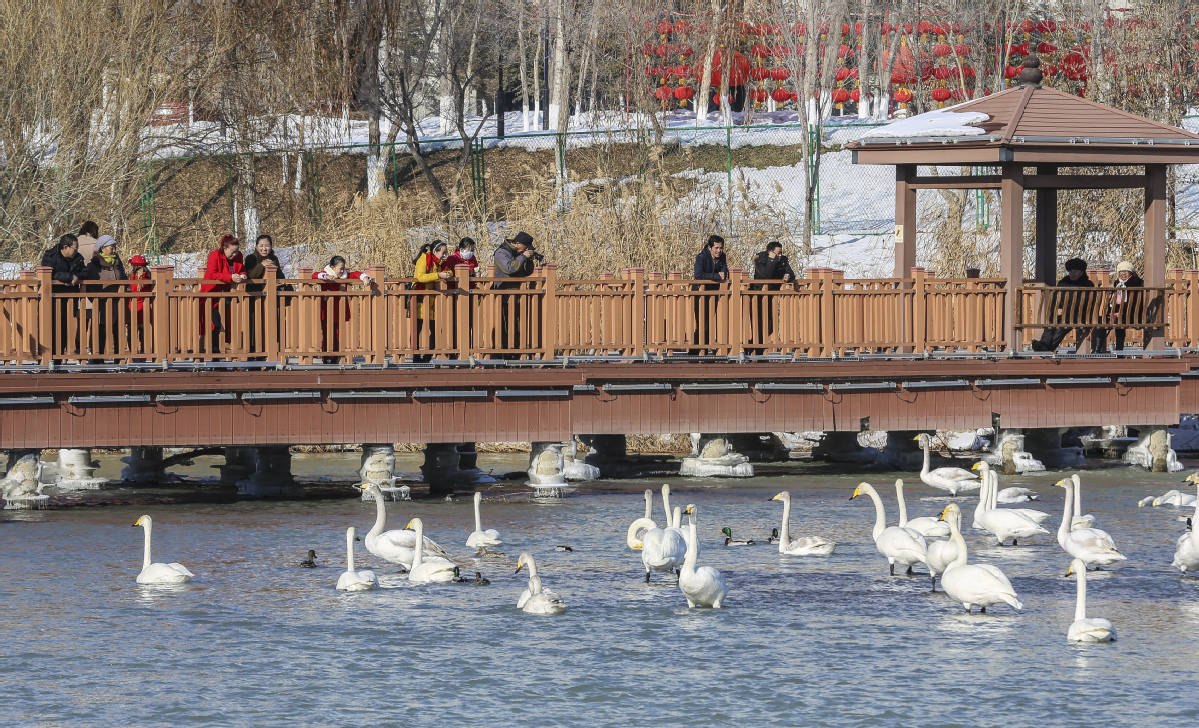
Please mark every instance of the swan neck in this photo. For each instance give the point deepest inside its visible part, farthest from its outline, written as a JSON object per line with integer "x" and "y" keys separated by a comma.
{"x": 649, "y": 504}
{"x": 380, "y": 514}
{"x": 955, "y": 535}
{"x": 785, "y": 531}
{"x": 692, "y": 546}
{"x": 146, "y": 546}
{"x": 666, "y": 505}
{"x": 1077, "y": 497}
{"x": 478, "y": 518}
{"x": 533, "y": 573}
{"x": 903, "y": 507}
{"x": 1067, "y": 505}
{"x": 924, "y": 447}
{"x": 880, "y": 515}
{"x": 350, "y": 550}
{"x": 984, "y": 496}
{"x": 418, "y": 551}
{"x": 676, "y": 520}
{"x": 1080, "y": 602}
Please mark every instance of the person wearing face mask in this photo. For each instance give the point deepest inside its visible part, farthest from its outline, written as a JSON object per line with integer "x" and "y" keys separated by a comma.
{"x": 335, "y": 277}
{"x": 464, "y": 255}
{"x": 428, "y": 269}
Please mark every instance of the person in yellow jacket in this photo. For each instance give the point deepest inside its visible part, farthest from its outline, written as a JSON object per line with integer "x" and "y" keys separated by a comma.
{"x": 429, "y": 268}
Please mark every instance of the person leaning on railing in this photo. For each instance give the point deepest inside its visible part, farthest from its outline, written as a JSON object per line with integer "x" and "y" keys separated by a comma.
{"x": 105, "y": 265}
{"x": 263, "y": 253}
{"x": 226, "y": 266}
{"x": 1125, "y": 307}
{"x": 1066, "y": 306}
{"x": 464, "y": 255}
{"x": 710, "y": 265}
{"x": 66, "y": 271}
{"x": 335, "y": 277}
{"x": 139, "y": 270}
{"x": 513, "y": 259}
{"x": 428, "y": 267}
{"x": 771, "y": 265}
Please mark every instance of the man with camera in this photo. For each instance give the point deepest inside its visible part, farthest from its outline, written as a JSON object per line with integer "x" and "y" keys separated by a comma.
{"x": 514, "y": 259}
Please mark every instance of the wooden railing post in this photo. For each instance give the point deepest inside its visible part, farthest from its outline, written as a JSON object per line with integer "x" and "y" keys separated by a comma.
{"x": 270, "y": 313}
{"x": 827, "y": 340}
{"x": 462, "y": 312}
{"x": 637, "y": 343}
{"x": 919, "y": 310}
{"x": 46, "y": 315}
{"x": 306, "y": 317}
{"x": 737, "y": 323}
{"x": 378, "y": 309}
{"x": 1192, "y": 307}
{"x": 549, "y": 312}
{"x": 160, "y": 312}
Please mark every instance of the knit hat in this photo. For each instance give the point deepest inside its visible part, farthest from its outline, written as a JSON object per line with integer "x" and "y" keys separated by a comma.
{"x": 138, "y": 260}
{"x": 1076, "y": 264}
{"x": 1124, "y": 265}
{"x": 105, "y": 241}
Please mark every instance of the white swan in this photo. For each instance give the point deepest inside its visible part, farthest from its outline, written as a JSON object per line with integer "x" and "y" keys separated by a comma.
{"x": 1016, "y": 494}
{"x": 703, "y": 586}
{"x": 662, "y": 549}
{"x": 1186, "y": 556}
{"x": 899, "y": 545}
{"x": 990, "y": 485}
{"x": 1093, "y": 546}
{"x": 427, "y": 569}
{"x": 953, "y": 480}
{"x": 536, "y": 599}
{"x": 1177, "y": 498}
{"x": 943, "y": 553}
{"x": 1078, "y": 520}
{"x": 926, "y": 526}
{"x": 480, "y": 539}
{"x": 639, "y": 526}
{"x": 974, "y": 584}
{"x": 352, "y": 579}
{"x": 151, "y": 573}
{"x": 804, "y": 545}
{"x": 1083, "y": 628}
{"x": 395, "y": 546}
{"x": 1002, "y": 523}
{"x": 674, "y": 520}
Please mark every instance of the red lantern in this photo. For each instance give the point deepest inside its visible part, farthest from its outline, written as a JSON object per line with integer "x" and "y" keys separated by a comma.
{"x": 682, "y": 27}
{"x": 682, "y": 93}
{"x": 842, "y": 73}
{"x": 758, "y": 95}
{"x": 759, "y": 51}
{"x": 780, "y": 51}
{"x": 1027, "y": 26}
{"x": 844, "y": 51}
{"x": 780, "y": 74}
{"x": 1050, "y": 69}
{"x": 902, "y": 95}
{"x": 961, "y": 49}
{"x": 759, "y": 73}
{"x": 1011, "y": 72}
{"x": 941, "y": 50}
{"x": 856, "y": 95}
{"x": 781, "y": 95}
{"x": 840, "y": 96}
{"x": 925, "y": 27}
{"x": 1046, "y": 26}
{"x": 663, "y": 92}
{"x": 941, "y": 95}
{"x": 1046, "y": 48}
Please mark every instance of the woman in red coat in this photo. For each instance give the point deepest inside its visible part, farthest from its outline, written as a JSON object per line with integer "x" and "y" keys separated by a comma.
{"x": 139, "y": 270}
{"x": 331, "y": 278}
{"x": 464, "y": 255}
{"x": 224, "y": 266}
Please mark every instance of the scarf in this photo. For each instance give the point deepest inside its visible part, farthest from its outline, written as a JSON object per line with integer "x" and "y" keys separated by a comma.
{"x": 109, "y": 260}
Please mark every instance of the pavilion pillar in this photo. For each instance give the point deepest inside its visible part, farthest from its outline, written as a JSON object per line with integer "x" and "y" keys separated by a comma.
{"x": 1046, "y": 256}
{"x": 1011, "y": 249}
{"x": 905, "y": 220}
{"x": 1155, "y": 240}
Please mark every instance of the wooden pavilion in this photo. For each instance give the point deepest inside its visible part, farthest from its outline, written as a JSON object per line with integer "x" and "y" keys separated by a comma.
{"x": 1028, "y": 134}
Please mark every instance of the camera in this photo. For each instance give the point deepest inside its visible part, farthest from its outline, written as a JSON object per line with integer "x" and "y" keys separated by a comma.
{"x": 537, "y": 256}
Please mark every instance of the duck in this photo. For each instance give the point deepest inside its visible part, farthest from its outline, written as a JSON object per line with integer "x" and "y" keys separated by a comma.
{"x": 353, "y": 579}
{"x": 899, "y": 545}
{"x": 773, "y": 537}
{"x": 1002, "y": 523}
{"x": 158, "y": 573}
{"x": 950, "y": 479}
{"x": 564, "y": 547}
{"x": 1186, "y": 555}
{"x": 427, "y": 569}
{"x": 310, "y": 562}
{"x": 974, "y": 585}
{"x": 1095, "y": 547}
{"x": 485, "y": 553}
{"x": 702, "y": 586}
{"x": 479, "y": 538}
{"x": 1084, "y": 628}
{"x": 926, "y": 526}
{"x": 942, "y": 553}
{"x": 536, "y": 599}
{"x": 804, "y": 545}
{"x": 479, "y": 579}
{"x": 395, "y": 546}
{"x": 730, "y": 541}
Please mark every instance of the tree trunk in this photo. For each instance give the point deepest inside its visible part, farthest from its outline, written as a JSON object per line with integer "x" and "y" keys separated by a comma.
{"x": 523, "y": 53}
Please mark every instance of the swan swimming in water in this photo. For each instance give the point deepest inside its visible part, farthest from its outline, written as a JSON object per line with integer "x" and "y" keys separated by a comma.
{"x": 926, "y": 526}
{"x": 427, "y": 569}
{"x": 990, "y": 485}
{"x": 1093, "y": 546}
{"x": 899, "y": 545}
{"x": 804, "y": 545}
{"x": 702, "y": 586}
{"x": 480, "y": 539}
{"x": 151, "y": 573}
{"x": 973, "y": 585}
{"x": 1186, "y": 556}
{"x": 395, "y": 546}
{"x": 1083, "y": 628}
{"x": 951, "y": 479}
{"x": 1002, "y": 523}
{"x": 638, "y": 527}
{"x": 536, "y": 599}
{"x": 353, "y": 579}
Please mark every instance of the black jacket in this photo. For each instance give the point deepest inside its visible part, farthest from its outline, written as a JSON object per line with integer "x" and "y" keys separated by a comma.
{"x": 1073, "y": 306}
{"x": 769, "y": 268}
{"x": 708, "y": 268}
{"x": 64, "y": 270}
{"x": 93, "y": 274}
{"x": 510, "y": 265}
{"x": 256, "y": 269}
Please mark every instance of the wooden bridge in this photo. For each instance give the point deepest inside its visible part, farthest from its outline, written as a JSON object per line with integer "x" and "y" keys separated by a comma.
{"x": 633, "y": 353}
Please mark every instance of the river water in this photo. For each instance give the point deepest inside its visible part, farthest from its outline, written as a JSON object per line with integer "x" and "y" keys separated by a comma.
{"x": 257, "y": 641}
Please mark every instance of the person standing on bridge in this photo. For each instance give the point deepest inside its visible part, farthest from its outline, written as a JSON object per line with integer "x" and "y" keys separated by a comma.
{"x": 335, "y": 277}
{"x": 710, "y": 265}
{"x": 513, "y": 259}
{"x": 1067, "y": 307}
{"x": 106, "y": 265}
{"x": 771, "y": 265}
{"x": 1125, "y": 307}
{"x": 428, "y": 270}
{"x": 464, "y": 255}
{"x": 139, "y": 270}
{"x": 225, "y": 268}
{"x": 263, "y": 253}
{"x": 66, "y": 271}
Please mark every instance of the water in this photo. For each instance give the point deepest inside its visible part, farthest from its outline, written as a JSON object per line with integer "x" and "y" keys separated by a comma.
{"x": 258, "y": 641}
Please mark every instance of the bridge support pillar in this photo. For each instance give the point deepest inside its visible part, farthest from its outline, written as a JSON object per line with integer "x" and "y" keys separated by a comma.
{"x": 609, "y": 453}
{"x": 1152, "y": 450}
{"x": 547, "y": 468}
{"x": 468, "y": 463}
{"x": 239, "y": 464}
{"x": 1009, "y": 454}
{"x": 764, "y": 447}
{"x": 144, "y": 466}
{"x": 77, "y": 470}
{"x": 843, "y": 447}
{"x": 377, "y": 468}
{"x": 574, "y": 467}
{"x": 712, "y": 456}
{"x": 21, "y": 488}
{"x": 901, "y": 452}
{"x": 442, "y": 469}
{"x": 272, "y": 474}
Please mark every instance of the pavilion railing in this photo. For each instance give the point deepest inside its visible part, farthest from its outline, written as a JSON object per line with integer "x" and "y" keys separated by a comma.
{"x": 543, "y": 317}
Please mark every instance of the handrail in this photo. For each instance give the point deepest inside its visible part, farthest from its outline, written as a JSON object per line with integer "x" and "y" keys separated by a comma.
{"x": 542, "y": 317}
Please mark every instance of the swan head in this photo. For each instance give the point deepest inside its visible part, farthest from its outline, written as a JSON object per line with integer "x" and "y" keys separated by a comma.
{"x": 415, "y": 524}
{"x": 784, "y": 496}
{"x": 665, "y": 489}
{"x": 862, "y": 489}
{"x": 524, "y": 560}
{"x": 691, "y": 510}
{"x": 951, "y": 511}
{"x": 919, "y": 438}
{"x": 1076, "y": 566}
{"x": 980, "y": 465}
{"x": 1064, "y": 482}
{"x": 478, "y": 497}
{"x": 1192, "y": 478}
{"x": 143, "y": 521}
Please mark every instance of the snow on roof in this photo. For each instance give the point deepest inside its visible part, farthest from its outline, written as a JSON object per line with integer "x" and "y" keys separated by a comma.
{"x": 936, "y": 123}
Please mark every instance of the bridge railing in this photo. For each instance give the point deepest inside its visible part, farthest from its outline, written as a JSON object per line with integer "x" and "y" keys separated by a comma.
{"x": 543, "y": 316}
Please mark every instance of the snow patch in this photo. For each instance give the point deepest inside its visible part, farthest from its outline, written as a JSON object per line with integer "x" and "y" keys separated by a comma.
{"x": 935, "y": 123}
